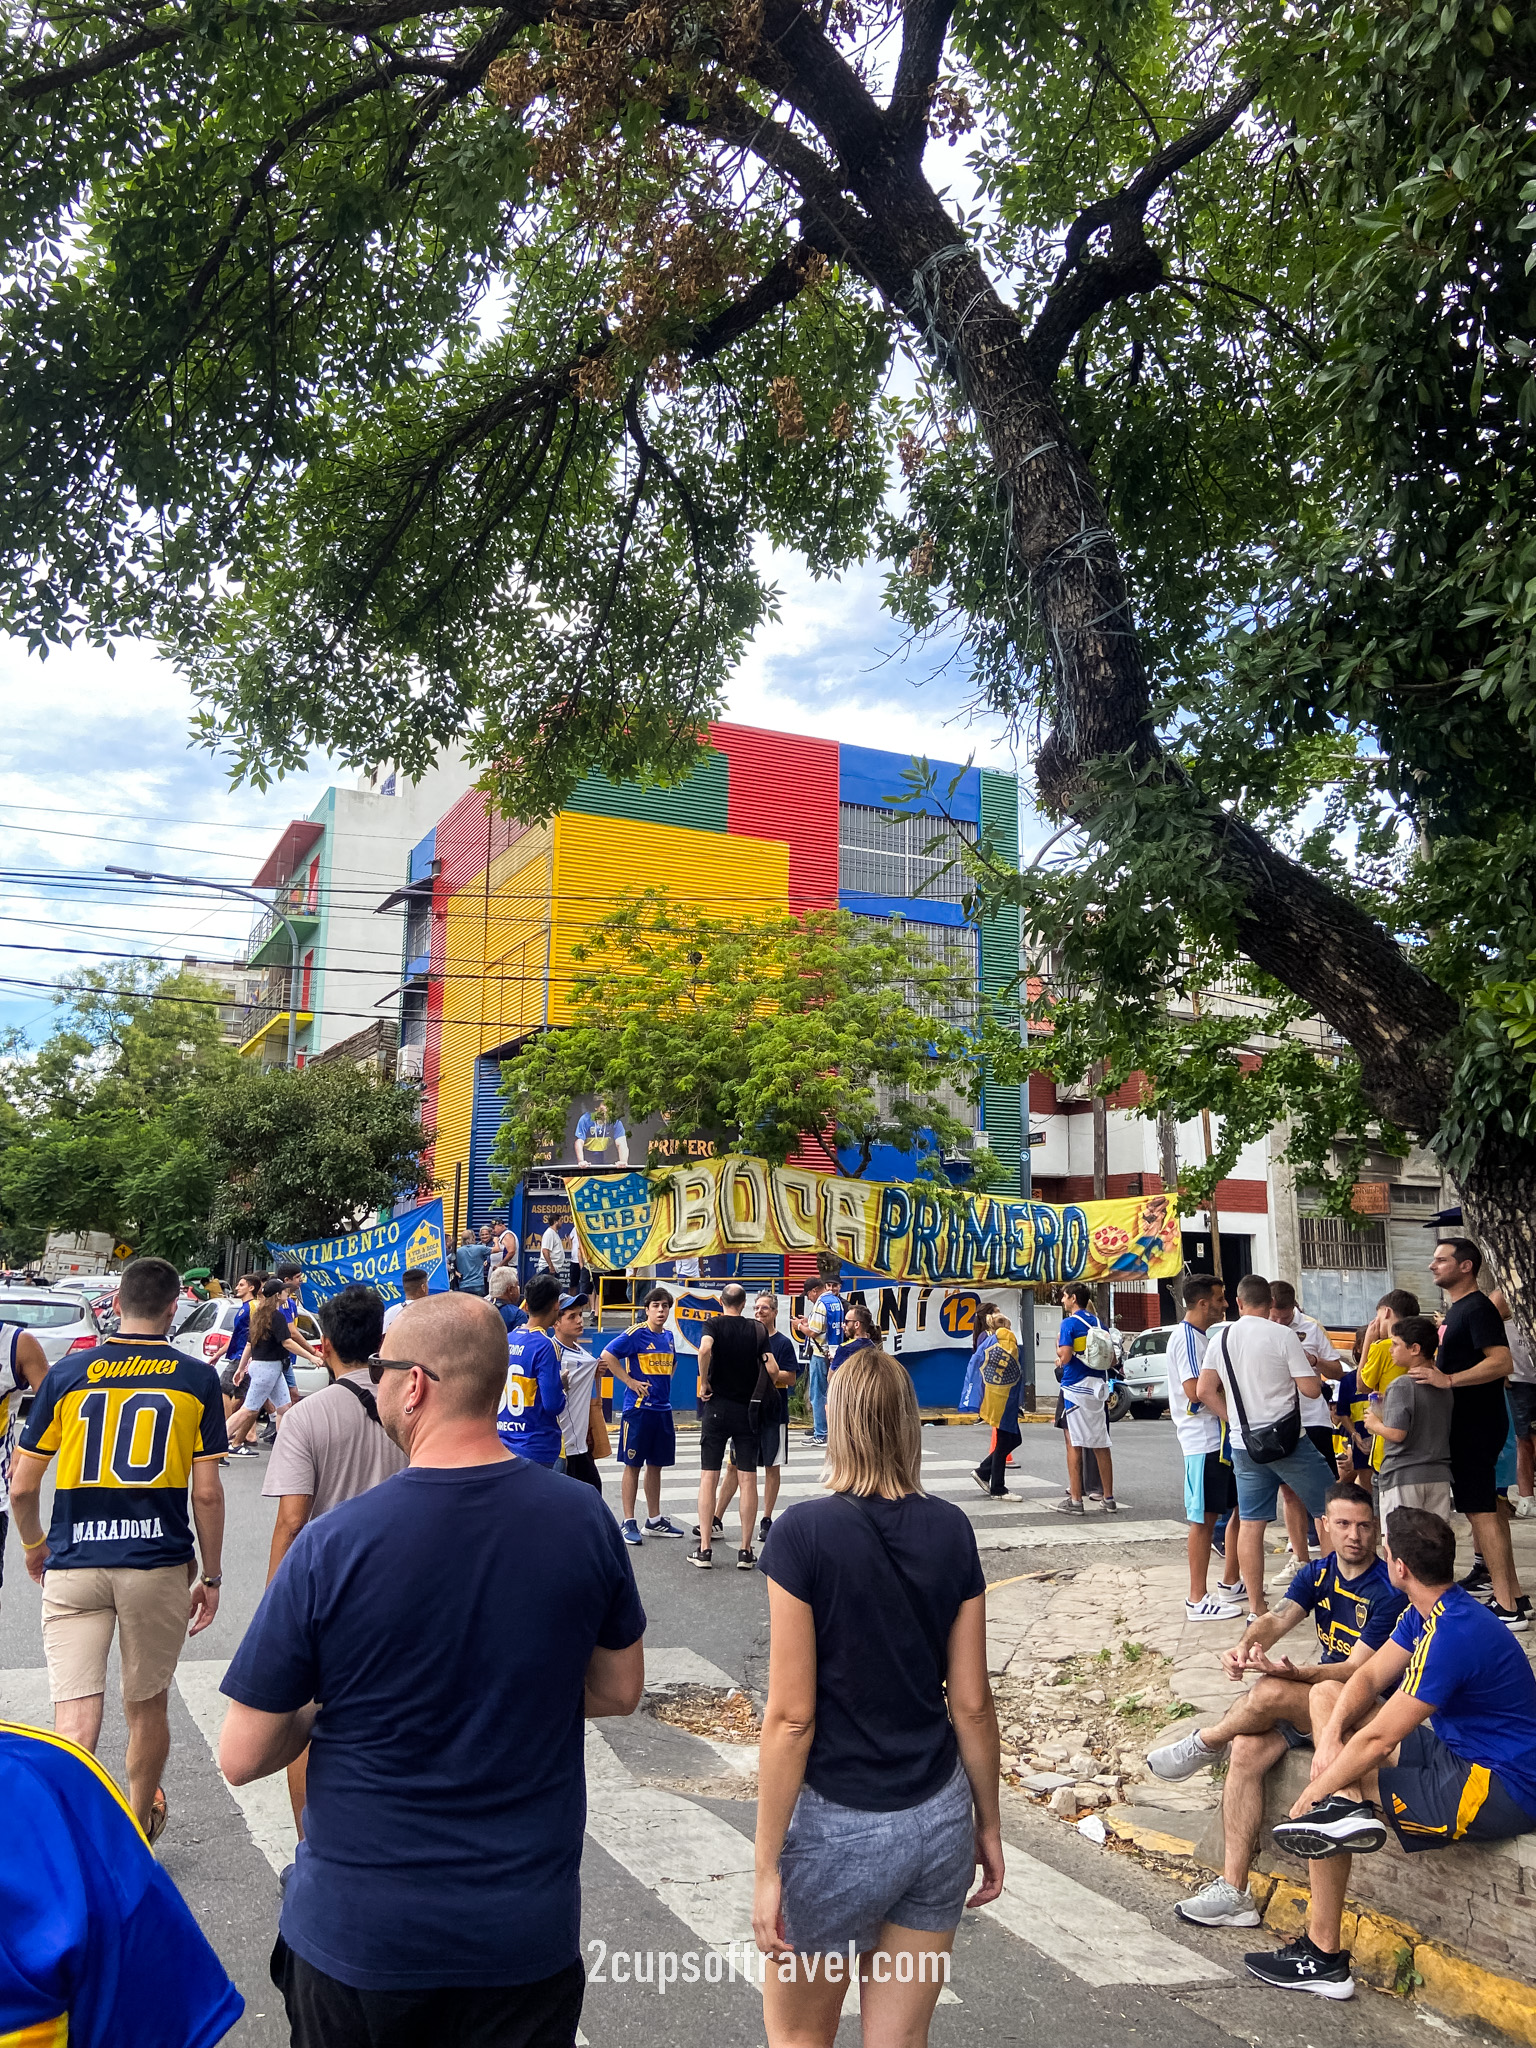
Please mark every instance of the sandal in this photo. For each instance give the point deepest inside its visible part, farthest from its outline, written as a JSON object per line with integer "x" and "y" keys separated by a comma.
{"x": 159, "y": 1814}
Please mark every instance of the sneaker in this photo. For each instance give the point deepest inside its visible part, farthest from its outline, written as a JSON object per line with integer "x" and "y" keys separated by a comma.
{"x": 1219, "y": 1905}
{"x": 984, "y": 1484}
{"x": 820, "y": 1442}
{"x": 662, "y": 1527}
{"x": 1111, "y": 1505}
{"x": 716, "y": 1527}
{"x": 1001, "y": 1493}
{"x": 245, "y": 1451}
{"x": 1516, "y": 1619}
{"x": 1336, "y": 1826}
{"x": 1219, "y": 1542}
{"x": 1479, "y": 1580}
{"x": 763, "y": 1527}
{"x": 1236, "y": 1591}
{"x": 1181, "y": 1759}
{"x": 1212, "y": 1609}
{"x": 630, "y": 1531}
{"x": 1303, "y": 1966}
{"x": 1525, "y": 1507}
{"x": 1068, "y": 1506}
{"x": 745, "y": 1559}
{"x": 704, "y": 1559}
{"x": 1094, "y": 1493}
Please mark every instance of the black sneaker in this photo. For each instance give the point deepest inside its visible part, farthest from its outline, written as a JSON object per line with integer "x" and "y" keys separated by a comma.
{"x": 704, "y": 1559}
{"x": 745, "y": 1559}
{"x": 1479, "y": 1580}
{"x": 1335, "y": 1826}
{"x": 716, "y": 1527}
{"x": 763, "y": 1527}
{"x": 1516, "y": 1619}
{"x": 1303, "y": 1966}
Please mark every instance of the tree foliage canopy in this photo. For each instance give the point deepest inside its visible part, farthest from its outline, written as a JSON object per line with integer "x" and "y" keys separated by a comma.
{"x": 416, "y": 369}
{"x": 825, "y": 1028}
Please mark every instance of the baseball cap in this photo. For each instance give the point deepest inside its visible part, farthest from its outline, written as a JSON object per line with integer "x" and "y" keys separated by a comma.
{"x": 574, "y": 1300}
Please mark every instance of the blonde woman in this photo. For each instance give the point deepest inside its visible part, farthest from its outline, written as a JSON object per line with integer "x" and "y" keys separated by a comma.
{"x": 878, "y": 1785}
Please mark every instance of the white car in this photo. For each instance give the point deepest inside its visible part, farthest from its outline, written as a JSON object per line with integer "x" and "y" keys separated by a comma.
{"x": 205, "y": 1335}
{"x": 61, "y": 1321}
{"x": 1145, "y": 1365}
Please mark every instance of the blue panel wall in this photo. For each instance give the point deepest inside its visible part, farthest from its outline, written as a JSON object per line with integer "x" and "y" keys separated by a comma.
{"x": 485, "y": 1122}
{"x": 866, "y": 775}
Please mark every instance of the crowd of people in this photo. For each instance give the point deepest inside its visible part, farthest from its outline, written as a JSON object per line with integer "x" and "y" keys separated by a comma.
{"x": 447, "y": 1428}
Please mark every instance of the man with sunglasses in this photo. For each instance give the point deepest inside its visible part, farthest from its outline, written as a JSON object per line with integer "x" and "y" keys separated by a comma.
{"x": 436, "y": 1896}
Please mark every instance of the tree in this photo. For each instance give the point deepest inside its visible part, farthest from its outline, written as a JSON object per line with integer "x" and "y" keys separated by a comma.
{"x": 305, "y": 1152}
{"x": 422, "y": 369}
{"x": 827, "y": 1028}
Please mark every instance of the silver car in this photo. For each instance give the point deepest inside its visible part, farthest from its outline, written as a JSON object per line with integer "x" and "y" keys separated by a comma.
{"x": 205, "y": 1334}
{"x": 1145, "y": 1365}
{"x": 61, "y": 1322}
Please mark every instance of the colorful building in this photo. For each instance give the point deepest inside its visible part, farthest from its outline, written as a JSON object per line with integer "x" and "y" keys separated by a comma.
{"x": 767, "y": 822}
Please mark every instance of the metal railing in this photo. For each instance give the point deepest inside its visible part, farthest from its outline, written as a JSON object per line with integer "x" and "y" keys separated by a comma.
{"x": 257, "y": 1016}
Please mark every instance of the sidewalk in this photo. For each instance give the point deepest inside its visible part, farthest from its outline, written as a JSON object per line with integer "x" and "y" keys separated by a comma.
{"x": 1094, "y": 1667}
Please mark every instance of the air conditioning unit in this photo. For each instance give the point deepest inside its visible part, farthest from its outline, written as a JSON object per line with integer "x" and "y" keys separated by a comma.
{"x": 1076, "y": 1091}
{"x": 408, "y": 1062}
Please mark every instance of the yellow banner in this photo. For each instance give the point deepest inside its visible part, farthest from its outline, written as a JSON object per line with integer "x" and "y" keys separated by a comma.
{"x": 895, "y": 1228}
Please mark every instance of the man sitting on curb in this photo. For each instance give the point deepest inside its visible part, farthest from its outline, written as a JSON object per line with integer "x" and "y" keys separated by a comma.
{"x": 1355, "y": 1605}
{"x": 1450, "y": 1755}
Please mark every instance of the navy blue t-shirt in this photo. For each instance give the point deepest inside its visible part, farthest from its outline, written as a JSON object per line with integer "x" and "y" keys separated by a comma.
{"x": 445, "y": 1619}
{"x": 883, "y": 1736}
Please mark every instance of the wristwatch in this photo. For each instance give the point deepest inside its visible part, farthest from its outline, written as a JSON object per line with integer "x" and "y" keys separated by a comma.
{"x": 216, "y": 1581}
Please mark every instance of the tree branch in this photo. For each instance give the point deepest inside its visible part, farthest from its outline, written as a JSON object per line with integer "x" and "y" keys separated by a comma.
{"x": 925, "y": 25}
{"x": 1086, "y": 283}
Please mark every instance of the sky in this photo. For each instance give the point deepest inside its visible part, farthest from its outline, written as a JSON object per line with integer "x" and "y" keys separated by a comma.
{"x": 100, "y": 768}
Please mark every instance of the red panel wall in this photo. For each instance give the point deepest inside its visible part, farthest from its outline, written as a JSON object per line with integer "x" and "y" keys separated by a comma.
{"x": 784, "y": 786}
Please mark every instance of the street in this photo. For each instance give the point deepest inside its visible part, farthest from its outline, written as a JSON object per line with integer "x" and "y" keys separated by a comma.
{"x": 1082, "y": 1944}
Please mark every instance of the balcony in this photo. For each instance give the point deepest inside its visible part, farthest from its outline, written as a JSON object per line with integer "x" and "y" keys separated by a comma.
{"x": 265, "y": 1020}
{"x": 269, "y": 939}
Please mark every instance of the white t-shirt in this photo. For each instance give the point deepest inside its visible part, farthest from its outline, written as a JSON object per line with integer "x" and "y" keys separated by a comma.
{"x": 396, "y": 1308}
{"x": 1198, "y": 1429}
{"x": 1314, "y": 1340}
{"x": 552, "y": 1245}
{"x": 1267, "y": 1358}
{"x": 1520, "y": 1352}
{"x": 578, "y": 1375}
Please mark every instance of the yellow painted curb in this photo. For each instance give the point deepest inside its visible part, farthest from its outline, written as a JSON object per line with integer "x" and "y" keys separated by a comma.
{"x": 1461, "y": 1990}
{"x": 1123, "y": 1822}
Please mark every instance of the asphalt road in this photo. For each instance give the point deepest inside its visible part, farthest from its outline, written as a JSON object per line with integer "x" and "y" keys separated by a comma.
{"x": 1082, "y": 1947}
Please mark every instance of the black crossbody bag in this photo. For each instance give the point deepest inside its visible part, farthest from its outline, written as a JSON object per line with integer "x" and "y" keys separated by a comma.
{"x": 370, "y": 1406}
{"x": 909, "y": 1593}
{"x": 1272, "y": 1441}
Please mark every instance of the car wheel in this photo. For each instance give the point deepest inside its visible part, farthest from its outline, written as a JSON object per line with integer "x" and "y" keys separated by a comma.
{"x": 1117, "y": 1407}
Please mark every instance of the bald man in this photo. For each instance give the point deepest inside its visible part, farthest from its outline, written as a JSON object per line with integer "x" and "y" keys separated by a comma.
{"x": 459, "y": 1622}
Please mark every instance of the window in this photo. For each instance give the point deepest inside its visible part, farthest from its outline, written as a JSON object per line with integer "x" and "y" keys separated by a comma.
{"x": 1328, "y": 1243}
{"x": 418, "y": 927}
{"x": 885, "y": 853}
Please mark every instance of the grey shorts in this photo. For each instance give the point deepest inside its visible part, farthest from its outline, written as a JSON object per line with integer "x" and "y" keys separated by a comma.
{"x": 1522, "y": 1405}
{"x": 847, "y": 1872}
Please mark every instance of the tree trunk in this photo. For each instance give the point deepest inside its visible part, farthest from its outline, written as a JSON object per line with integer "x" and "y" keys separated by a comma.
{"x": 1498, "y": 1202}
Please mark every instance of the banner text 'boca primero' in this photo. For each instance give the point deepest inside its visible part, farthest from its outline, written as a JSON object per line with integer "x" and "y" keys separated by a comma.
{"x": 897, "y": 1228}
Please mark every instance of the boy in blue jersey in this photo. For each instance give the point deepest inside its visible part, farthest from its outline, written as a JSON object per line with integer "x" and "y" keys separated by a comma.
{"x": 1449, "y": 1755}
{"x": 528, "y": 1421}
{"x": 99, "y": 1949}
{"x": 1085, "y": 1396}
{"x": 1354, "y": 1607}
{"x": 642, "y": 1362}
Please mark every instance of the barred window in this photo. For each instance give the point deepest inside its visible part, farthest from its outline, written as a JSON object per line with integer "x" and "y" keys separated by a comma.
{"x": 1329, "y": 1243}
{"x": 884, "y": 853}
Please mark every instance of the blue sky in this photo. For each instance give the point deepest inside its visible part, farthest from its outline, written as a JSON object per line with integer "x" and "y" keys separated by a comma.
{"x": 99, "y": 767}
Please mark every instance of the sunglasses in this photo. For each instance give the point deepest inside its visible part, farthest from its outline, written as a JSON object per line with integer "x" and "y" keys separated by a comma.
{"x": 377, "y": 1367}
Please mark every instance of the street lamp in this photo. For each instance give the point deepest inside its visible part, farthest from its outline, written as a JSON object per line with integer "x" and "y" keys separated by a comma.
{"x": 233, "y": 889}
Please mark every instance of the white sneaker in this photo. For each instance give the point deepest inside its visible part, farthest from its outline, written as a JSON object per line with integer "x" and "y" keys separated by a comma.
{"x": 1212, "y": 1609}
{"x": 1525, "y": 1507}
{"x": 1181, "y": 1759}
{"x": 1236, "y": 1591}
{"x": 1220, "y": 1905}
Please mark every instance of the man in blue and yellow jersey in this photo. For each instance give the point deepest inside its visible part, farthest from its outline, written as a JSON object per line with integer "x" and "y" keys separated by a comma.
{"x": 528, "y": 1421}
{"x": 100, "y": 1950}
{"x": 133, "y": 1424}
{"x": 23, "y": 1366}
{"x": 642, "y": 1362}
{"x": 1446, "y": 1757}
{"x": 1354, "y": 1607}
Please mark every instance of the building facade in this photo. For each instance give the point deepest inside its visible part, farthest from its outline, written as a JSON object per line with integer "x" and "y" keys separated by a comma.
{"x": 767, "y": 823}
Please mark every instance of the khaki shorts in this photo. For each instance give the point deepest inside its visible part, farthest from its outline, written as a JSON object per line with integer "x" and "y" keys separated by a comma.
{"x": 80, "y": 1609}
{"x": 1435, "y": 1495}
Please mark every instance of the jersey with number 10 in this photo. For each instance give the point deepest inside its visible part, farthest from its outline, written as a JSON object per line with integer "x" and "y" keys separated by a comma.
{"x": 127, "y": 1423}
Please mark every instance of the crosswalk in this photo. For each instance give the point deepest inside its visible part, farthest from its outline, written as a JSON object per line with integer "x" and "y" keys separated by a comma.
{"x": 1026, "y": 1520}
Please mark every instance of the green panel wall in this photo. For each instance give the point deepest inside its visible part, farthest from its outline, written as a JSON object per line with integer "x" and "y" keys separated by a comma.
{"x": 1003, "y": 1108}
{"x": 701, "y": 802}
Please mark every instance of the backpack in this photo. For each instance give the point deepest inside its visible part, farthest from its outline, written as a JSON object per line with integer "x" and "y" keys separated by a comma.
{"x": 1099, "y": 1353}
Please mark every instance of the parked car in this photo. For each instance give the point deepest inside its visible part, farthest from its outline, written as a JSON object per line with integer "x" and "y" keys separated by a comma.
{"x": 61, "y": 1322}
{"x": 205, "y": 1334}
{"x": 1144, "y": 1363}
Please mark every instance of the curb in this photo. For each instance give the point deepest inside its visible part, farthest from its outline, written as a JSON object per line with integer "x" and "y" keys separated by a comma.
{"x": 1387, "y": 1954}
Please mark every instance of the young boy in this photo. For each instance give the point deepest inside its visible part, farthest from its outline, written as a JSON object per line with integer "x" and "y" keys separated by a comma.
{"x": 1413, "y": 1422}
{"x": 647, "y": 1433}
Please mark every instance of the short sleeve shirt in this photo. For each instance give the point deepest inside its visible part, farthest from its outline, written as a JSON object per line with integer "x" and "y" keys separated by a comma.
{"x": 739, "y": 1343}
{"x": 127, "y": 1423}
{"x": 13, "y": 1384}
{"x": 1198, "y": 1429}
{"x": 529, "y": 1418}
{"x": 1465, "y": 1664}
{"x": 1073, "y": 1335}
{"x": 330, "y": 1448}
{"x": 1473, "y": 1327}
{"x": 650, "y": 1353}
{"x": 1347, "y": 1611}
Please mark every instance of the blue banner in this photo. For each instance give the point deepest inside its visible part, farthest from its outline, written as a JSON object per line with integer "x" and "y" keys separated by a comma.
{"x": 376, "y": 1256}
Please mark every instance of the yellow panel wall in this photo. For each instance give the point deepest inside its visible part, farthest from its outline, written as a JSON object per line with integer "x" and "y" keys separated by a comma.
{"x": 602, "y": 863}
{"x": 493, "y": 981}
